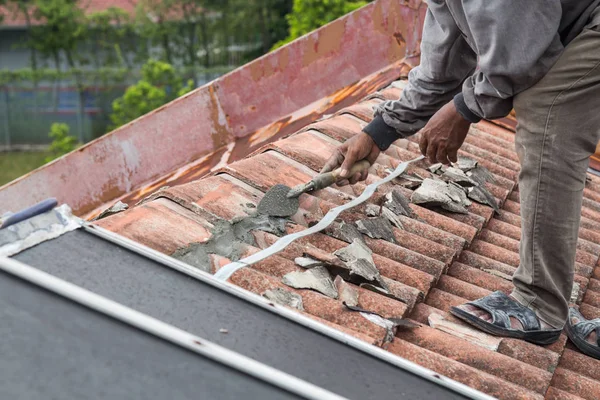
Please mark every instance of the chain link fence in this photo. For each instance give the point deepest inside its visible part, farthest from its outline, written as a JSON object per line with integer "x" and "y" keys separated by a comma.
{"x": 27, "y": 112}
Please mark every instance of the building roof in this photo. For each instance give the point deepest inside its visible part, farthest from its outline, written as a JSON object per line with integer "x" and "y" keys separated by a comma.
{"x": 440, "y": 259}
{"x": 276, "y": 121}
{"x": 17, "y": 20}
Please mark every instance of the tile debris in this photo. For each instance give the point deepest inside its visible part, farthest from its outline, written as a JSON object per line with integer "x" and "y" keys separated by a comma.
{"x": 317, "y": 279}
{"x": 377, "y": 228}
{"x": 116, "y": 208}
{"x": 285, "y": 298}
{"x": 346, "y": 292}
{"x": 308, "y": 262}
{"x": 359, "y": 260}
{"x": 459, "y": 329}
{"x": 398, "y": 204}
{"x": 437, "y": 193}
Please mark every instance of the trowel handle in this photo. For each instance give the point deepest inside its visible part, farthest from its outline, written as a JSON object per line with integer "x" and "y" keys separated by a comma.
{"x": 329, "y": 178}
{"x": 360, "y": 166}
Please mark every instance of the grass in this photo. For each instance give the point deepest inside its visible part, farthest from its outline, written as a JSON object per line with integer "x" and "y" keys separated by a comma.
{"x": 18, "y": 163}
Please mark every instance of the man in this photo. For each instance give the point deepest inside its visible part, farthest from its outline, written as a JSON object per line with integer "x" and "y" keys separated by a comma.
{"x": 481, "y": 58}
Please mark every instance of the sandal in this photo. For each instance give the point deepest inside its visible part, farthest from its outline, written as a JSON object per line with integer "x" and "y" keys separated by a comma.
{"x": 501, "y": 308}
{"x": 578, "y": 332}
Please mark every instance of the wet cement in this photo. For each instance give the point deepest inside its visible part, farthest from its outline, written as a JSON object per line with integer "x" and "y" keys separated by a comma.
{"x": 276, "y": 203}
{"x": 230, "y": 240}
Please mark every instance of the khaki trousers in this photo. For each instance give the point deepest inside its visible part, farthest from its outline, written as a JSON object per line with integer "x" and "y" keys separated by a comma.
{"x": 558, "y": 129}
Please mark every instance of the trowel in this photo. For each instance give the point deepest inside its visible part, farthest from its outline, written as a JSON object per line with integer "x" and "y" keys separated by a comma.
{"x": 281, "y": 201}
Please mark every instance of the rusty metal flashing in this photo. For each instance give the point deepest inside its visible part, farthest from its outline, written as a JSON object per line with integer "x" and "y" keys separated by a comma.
{"x": 232, "y": 116}
{"x": 36, "y": 230}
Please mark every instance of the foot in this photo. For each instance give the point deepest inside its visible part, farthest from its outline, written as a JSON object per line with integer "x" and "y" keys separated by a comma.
{"x": 592, "y": 337}
{"x": 487, "y": 317}
{"x": 501, "y": 315}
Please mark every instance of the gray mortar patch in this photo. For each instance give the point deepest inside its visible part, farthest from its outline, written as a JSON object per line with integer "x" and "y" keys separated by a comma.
{"x": 229, "y": 240}
{"x": 276, "y": 203}
{"x": 285, "y": 298}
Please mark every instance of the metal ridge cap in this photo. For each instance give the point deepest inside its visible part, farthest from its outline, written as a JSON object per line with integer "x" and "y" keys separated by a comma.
{"x": 284, "y": 312}
{"x": 166, "y": 331}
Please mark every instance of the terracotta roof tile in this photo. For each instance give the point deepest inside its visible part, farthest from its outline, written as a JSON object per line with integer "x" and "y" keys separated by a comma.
{"x": 461, "y": 372}
{"x": 439, "y": 260}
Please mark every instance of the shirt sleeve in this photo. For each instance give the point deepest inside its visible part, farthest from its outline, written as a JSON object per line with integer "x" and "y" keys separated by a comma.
{"x": 446, "y": 61}
{"x": 517, "y": 43}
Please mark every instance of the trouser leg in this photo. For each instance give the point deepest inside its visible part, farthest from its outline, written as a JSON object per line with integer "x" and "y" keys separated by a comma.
{"x": 558, "y": 129}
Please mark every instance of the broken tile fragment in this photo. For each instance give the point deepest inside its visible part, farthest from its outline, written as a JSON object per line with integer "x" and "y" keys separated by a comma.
{"x": 437, "y": 168}
{"x": 391, "y": 325}
{"x": 432, "y": 192}
{"x": 438, "y": 193}
{"x": 481, "y": 195}
{"x": 575, "y": 293}
{"x": 359, "y": 259}
{"x": 456, "y": 175}
{"x": 392, "y": 217}
{"x": 116, "y": 208}
{"x": 346, "y": 232}
{"x": 481, "y": 175}
{"x": 317, "y": 279}
{"x": 409, "y": 181}
{"x": 308, "y": 262}
{"x": 398, "y": 204}
{"x": 373, "y": 210}
{"x": 466, "y": 164}
{"x": 461, "y": 330}
{"x": 284, "y": 298}
{"x": 346, "y": 292}
{"x": 377, "y": 228}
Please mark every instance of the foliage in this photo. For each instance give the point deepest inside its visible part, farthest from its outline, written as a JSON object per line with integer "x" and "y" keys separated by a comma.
{"x": 62, "y": 142}
{"x": 64, "y": 28}
{"x": 160, "y": 84}
{"x": 112, "y": 34}
{"x": 2, "y": 4}
{"x": 308, "y": 15}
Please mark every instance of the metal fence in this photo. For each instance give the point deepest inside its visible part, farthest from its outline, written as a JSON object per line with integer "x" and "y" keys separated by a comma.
{"x": 27, "y": 112}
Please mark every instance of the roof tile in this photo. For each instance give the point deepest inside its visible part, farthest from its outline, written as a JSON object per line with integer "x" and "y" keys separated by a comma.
{"x": 440, "y": 259}
{"x": 576, "y": 384}
{"x": 461, "y": 372}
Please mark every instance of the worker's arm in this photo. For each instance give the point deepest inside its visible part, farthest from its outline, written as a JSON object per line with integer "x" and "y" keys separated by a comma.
{"x": 517, "y": 42}
{"x": 446, "y": 61}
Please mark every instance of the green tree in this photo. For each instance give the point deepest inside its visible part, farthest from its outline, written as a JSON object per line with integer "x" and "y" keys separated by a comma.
{"x": 112, "y": 37}
{"x": 24, "y": 9}
{"x": 62, "y": 142}
{"x": 2, "y": 10}
{"x": 63, "y": 30}
{"x": 160, "y": 84}
{"x": 308, "y": 15}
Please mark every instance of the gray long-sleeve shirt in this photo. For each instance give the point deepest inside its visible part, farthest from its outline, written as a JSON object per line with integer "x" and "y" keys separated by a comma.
{"x": 481, "y": 53}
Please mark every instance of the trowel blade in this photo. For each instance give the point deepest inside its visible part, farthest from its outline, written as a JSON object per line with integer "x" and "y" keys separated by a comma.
{"x": 277, "y": 204}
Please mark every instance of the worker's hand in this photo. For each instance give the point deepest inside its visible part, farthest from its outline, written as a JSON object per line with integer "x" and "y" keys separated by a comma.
{"x": 355, "y": 149}
{"x": 443, "y": 135}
